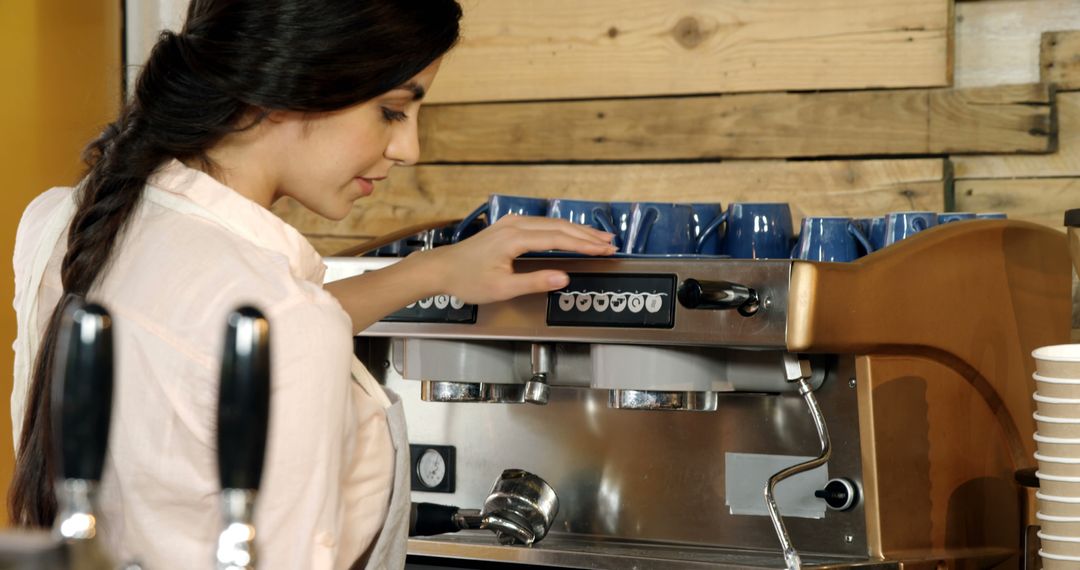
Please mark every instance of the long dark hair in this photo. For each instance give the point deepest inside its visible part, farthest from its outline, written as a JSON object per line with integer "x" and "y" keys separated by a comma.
{"x": 234, "y": 59}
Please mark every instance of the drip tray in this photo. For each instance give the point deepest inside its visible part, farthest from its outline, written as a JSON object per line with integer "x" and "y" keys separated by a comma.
{"x": 568, "y": 552}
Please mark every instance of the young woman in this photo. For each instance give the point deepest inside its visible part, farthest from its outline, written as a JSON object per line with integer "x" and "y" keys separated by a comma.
{"x": 170, "y": 230}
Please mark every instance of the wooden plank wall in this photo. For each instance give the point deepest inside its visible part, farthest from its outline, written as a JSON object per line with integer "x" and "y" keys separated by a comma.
{"x": 842, "y": 107}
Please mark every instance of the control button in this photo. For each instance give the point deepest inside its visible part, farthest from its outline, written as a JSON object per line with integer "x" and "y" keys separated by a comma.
{"x": 442, "y": 301}
{"x": 425, "y": 303}
{"x": 456, "y": 303}
{"x": 566, "y": 301}
{"x": 636, "y": 303}
{"x": 618, "y": 302}
{"x": 584, "y": 302}
{"x": 600, "y": 302}
{"x": 410, "y": 305}
{"x": 653, "y": 303}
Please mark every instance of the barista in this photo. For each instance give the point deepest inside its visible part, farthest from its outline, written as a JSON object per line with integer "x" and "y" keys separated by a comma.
{"x": 171, "y": 229}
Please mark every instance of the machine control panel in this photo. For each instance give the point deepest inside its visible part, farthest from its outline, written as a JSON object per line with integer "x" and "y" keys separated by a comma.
{"x": 614, "y": 300}
{"x": 437, "y": 309}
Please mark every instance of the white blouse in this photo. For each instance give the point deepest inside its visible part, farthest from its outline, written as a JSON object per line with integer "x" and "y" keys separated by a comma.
{"x": 194, "y": 251}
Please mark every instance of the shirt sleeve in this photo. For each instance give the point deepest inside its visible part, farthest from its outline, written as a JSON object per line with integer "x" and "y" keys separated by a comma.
{"x": 299, "y": 512}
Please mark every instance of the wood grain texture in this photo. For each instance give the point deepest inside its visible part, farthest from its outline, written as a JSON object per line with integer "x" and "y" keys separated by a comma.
{"x": 1040, "y": 200}
{"x": 566, "y": 49}
{"x": 1059, "y": 59}
{"x": 1005, "y": 119}
{"x": 1065, "y": 161}
{"x": 997, "y": 42}
{"x": 848, "y": 188}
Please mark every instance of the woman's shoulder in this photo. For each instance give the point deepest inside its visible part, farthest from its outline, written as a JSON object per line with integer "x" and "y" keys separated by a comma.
{"x": 35, "y": 220}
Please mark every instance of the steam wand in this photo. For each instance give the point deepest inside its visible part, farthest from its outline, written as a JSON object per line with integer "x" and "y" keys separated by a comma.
{"x": 797, "y": 370}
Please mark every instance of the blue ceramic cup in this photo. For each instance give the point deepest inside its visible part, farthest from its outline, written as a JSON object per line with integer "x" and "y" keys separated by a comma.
{"x": 947, "y": 217}
{"x": 499, "y": 205}
{"x": 620, "y": 218}
{"x": 664, "y": 228}
{"x": 874, "y": 230}
{"x": 902, "y": 225}
{"x": 586, "y": 212}
{"x": 992, "y": 216}
{"x": 831, "y": 239}
{"x": 705, "y": 214}
{"x": 757, "y": 231}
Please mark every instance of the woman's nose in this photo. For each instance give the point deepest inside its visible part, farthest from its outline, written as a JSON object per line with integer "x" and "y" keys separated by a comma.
{"x": 404, "y": 145}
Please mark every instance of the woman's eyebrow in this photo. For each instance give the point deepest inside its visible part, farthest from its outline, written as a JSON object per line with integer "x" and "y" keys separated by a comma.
{"x": 415, "y": 88}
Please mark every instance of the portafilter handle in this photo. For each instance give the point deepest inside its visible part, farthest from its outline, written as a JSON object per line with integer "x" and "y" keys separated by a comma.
{"x": 430, "y": 519}
{"x": 243, "y": 417}
{"x": 81, "y": 407}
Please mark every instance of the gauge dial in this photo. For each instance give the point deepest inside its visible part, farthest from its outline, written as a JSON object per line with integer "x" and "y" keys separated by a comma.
{"x": 431, "y": 468}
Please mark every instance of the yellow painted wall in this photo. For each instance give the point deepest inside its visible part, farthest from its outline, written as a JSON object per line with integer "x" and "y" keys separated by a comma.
{"x": 60, "y": 64}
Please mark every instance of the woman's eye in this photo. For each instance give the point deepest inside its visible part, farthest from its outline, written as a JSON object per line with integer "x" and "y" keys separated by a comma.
{"x": 392, "y": 115}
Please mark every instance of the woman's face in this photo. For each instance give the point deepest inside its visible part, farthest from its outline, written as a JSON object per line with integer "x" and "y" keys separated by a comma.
{"x": 330, "y": 160}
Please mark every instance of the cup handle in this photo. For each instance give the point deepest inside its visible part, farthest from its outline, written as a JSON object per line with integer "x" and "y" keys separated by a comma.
{"x": 795, "y": 248}
{"x": 642, "y": 238}
{"x": 465, "y": 223}
{"x": 918, "y": 224}
{"x": 605, "y": 221}
{"x": 711, "y": 228}
{"x": 854, "y": 230}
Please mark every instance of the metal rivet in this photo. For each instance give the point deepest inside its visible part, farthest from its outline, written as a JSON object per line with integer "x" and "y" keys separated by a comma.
{"x": 767, "y": 302}
{"x": 849, "y": 538}
{"x": 386, "y": 364}
{"x": 852, "y": 383}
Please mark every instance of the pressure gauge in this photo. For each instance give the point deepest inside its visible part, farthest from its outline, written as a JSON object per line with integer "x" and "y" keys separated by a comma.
{"x": 432, "y": 468}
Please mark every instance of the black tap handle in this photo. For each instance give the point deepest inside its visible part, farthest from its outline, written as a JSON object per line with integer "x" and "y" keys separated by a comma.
{"x": 244, "y": 401}
{"x": 717, "y": 295}
{"x": 82, "y": 385}
{"x": 1072, "y": 218}
{"x": 428, "y": 519}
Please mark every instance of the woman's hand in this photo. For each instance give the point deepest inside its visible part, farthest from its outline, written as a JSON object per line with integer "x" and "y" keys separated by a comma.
{"x": 480, "y": 269}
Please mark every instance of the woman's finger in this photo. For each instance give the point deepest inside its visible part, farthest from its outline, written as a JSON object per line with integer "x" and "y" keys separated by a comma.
{"x": 544, "y": 240}
{"x": 542, "y": 281}
{"x": 541, "y": 223}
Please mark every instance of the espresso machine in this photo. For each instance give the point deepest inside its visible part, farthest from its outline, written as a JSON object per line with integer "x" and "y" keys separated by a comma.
{"x": 698, "y": 412}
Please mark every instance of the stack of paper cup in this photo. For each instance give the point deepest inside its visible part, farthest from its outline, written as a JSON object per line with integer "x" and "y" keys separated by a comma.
{"x": 1057, "y": 398}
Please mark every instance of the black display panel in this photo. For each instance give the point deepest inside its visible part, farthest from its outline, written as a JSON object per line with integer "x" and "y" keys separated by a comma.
{"x": 438, "y": 309}
{"x": 614, "y": 300}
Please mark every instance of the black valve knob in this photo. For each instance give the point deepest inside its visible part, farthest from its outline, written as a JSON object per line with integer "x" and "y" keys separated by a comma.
{"x": 839, "y": 494}
{"x": 429, "y": 519}
{"x": 82, "y": 385}
{"x": 1072, "y": 218}
{"x": 718, "y": 295}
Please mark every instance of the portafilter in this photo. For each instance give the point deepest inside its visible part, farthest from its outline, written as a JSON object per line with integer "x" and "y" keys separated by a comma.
{"x": 520, "y": 510}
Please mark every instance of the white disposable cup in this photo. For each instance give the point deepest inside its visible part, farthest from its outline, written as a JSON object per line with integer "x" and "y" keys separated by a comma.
{"x": 1058, "y": 486}
{"x": 1060, "y": 466}
{"x": 1058, "y": 506}
{"x": 1061, "y": 528}
{"x": 1051, "y": 561}
{"x": 1057, "y": 427}
{"x": 1057, "y": 446}
{"x": 1057, "y": 407}
{"x": 1060, "y": 546}
{"x": 1057, "y": 387}
{"x": 1058, "y": 361}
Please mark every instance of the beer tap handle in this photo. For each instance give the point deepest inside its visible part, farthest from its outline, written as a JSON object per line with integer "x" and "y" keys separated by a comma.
{"x": 243, "y": 416}
{"x": 82, "y": 386}
{"x": 718, "y": 295}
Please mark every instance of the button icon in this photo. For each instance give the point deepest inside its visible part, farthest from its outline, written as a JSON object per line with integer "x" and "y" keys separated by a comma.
{"x": 410, "y": 305}
{"x": 456, "y": 303}
{"x": 653, "y": 303}
{"x": 636, "y": 303}
{"x": 425, "y": 303}
{"x": 566, "y": 301}
{"x": 442, "y": 301}
{"x": 618, "y": 302}
{"x": 600, "y": 302}
{"x": 584, "y": 302}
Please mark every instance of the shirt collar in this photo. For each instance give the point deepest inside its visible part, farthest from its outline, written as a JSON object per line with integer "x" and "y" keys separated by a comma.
{"x": 241, "y": 216}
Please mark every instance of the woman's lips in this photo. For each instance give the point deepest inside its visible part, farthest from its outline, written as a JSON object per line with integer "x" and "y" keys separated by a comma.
{"x": 366, "y": 186}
